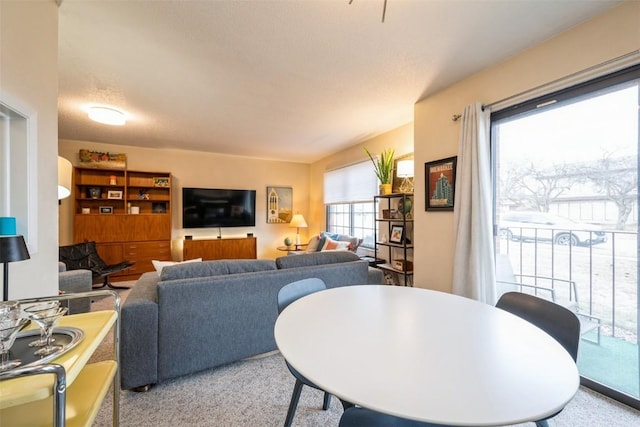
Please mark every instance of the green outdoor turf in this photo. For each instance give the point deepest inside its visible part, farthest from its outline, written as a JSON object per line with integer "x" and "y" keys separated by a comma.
{"x": 613, "y": 363}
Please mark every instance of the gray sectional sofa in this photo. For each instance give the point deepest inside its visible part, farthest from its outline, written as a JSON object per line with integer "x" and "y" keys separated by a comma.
{"x": 196, "y": 316}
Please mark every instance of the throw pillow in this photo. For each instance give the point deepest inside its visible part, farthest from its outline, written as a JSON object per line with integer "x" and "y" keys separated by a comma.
{"x": 334, "y": 245}
{"x": 159, "y": 265}
{"x": 313, "y": 244}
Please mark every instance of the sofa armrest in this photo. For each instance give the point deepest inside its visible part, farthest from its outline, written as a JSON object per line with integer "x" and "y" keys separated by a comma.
{"x": 375, "y": 276}
{"x": 75, "y": 281}
{"x": 139, "y": 334}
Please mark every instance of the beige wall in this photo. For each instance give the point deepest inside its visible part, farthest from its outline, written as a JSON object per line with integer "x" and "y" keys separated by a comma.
{"x": 29, "y": 76}
{"x": 400, "y": 139}
{"x": 608, "y": 36}
{"x": 198, "y": 169}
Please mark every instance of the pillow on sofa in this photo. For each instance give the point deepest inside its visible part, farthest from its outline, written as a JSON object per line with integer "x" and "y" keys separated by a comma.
{"x": 318, "y": 241}
{"x": 334, "y": 245}
{"x": 159, "y": 265}
{"x": 316, "y": 258}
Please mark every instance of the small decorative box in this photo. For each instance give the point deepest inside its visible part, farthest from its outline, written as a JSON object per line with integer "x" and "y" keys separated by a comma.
{"x": 402, "y": 265}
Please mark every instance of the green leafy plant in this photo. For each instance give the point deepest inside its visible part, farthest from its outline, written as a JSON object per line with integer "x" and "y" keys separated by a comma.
{"x": 383, "y": 165}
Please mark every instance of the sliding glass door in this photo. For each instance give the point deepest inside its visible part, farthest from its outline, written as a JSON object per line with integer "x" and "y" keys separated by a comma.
{"x": 566, "y": 216}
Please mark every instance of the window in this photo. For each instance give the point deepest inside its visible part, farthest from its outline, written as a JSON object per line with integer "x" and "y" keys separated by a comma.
{"x": 566, "y": 210}
{"x": 348, "y": 196}
{"x": 353, "y": 219}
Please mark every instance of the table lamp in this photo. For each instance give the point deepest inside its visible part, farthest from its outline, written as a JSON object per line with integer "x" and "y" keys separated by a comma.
{"x": 405, "y": 171}
{"x": 64, "y": 178}
{"x": 12, "y": 248}
{"x": 298, "y": 222}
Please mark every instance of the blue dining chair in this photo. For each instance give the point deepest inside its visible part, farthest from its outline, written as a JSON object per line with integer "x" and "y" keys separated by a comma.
{"x": 558, "y": 321}
{"x": 288, "y": 294}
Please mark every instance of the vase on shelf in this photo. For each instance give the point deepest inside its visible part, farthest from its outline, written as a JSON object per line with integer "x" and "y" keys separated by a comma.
{"x": 385, "y": 189}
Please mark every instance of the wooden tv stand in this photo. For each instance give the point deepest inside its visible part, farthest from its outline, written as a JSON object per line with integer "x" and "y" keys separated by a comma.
{"x": 225, "y": 248}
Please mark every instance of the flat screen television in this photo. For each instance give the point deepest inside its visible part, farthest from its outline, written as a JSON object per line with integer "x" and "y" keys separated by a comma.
{"x": 216, "y": 207}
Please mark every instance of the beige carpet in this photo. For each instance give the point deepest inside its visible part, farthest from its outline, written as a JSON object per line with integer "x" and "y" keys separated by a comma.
{"x": 256, "y": 392}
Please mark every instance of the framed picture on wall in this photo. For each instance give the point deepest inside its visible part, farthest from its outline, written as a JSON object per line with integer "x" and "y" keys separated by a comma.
{"x": 440, "y": 185}
{"x": 279, "y": 205}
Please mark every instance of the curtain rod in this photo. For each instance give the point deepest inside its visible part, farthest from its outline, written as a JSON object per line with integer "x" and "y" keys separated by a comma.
{"x": 609, "y": 66}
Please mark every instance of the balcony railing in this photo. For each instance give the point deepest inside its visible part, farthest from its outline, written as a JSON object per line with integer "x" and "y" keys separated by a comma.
{"x": 604, "y": 268}
{"x": 605, "y": 273}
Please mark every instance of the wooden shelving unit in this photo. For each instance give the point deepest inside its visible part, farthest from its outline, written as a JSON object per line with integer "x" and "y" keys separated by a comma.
{"x": 395, "y": 210}
{"x": 127, "y": 213}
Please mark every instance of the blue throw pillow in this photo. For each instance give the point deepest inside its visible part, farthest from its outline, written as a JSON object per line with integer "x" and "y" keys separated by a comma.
{"x": 332, "y": 236}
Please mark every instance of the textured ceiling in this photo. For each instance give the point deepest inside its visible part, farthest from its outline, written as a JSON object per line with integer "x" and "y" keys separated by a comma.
{"x": 289, "y": 80}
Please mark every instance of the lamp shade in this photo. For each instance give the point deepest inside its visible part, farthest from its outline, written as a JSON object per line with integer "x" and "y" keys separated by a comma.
{"x": 7, "y": 226}
{"x": 13, "y": 248}
{"x": 64, "y": 178}
{"x": 298, "y": 221}
{"x": 405, "y": 169}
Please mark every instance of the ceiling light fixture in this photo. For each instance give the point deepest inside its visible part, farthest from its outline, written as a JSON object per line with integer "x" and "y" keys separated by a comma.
{"x": 384, "y": 9}
{"x": 107, "y": 116}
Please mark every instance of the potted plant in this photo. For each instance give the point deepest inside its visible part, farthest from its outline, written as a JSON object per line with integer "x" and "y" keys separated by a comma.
{"x": 383, "y": 166}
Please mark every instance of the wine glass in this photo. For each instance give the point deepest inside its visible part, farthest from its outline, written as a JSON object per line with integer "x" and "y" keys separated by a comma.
{"x": 47, "y": 319}
{"x": 9, "y": 329}
{"x": 9, "y": 310}
{"x": 41, "y": 309}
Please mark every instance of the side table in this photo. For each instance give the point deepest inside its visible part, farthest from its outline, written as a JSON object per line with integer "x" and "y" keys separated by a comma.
{"x": 293, "y": 247}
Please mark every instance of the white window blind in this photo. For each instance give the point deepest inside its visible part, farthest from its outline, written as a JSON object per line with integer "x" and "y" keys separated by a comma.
{"x": 355, "y": 183}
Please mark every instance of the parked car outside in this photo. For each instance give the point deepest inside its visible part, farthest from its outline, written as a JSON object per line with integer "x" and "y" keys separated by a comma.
{"x": 543, "y": 226}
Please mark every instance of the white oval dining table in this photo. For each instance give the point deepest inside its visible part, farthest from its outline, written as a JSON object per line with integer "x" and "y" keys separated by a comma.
{"x": 426, "y": 355}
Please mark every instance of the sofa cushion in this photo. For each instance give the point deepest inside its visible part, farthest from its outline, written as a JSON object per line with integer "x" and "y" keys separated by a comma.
{"x": 215, "y": 268}
{"x": 316, "y": 258}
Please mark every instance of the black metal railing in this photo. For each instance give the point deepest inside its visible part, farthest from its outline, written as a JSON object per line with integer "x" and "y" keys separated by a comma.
{"x": 603, "y": 265}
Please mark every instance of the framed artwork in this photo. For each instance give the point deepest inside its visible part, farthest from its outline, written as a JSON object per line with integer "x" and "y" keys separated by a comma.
{"x": 114, "y": 194}
{"x": 106, "y": 209}
{"x": 397, "y": 234}
{"x": 440, "y": 185}
{"x": 100, "y": 159}
{"x": 161, "y": 182}
{"x": 279, "y": 205}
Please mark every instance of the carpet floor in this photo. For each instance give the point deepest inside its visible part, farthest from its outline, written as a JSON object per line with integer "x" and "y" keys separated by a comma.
{"x": 256, "y": 392}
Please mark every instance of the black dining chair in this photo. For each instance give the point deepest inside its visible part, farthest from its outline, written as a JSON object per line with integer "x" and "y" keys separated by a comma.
{"x": 559, "y": 322}
{"x": 361, "y": 417}
{"x": 288, "y": 294}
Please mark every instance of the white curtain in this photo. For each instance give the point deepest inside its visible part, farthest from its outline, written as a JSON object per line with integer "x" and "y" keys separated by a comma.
{"x": 473, "y": 259}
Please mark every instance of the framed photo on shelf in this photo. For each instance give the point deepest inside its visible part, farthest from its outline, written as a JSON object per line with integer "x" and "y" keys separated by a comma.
{"x": 440, "y": 185}
{"x": 106, "y": 209}
{"x": 114, "y": 194}
{"x": 160, "y": 182}
{"x": 397, "y": 234}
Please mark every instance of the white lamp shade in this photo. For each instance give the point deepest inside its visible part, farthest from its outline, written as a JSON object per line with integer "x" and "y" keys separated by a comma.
{"x": 64, "y": 178}
{"x": 405, "y": 169}
{"x": 298, "y": 221}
